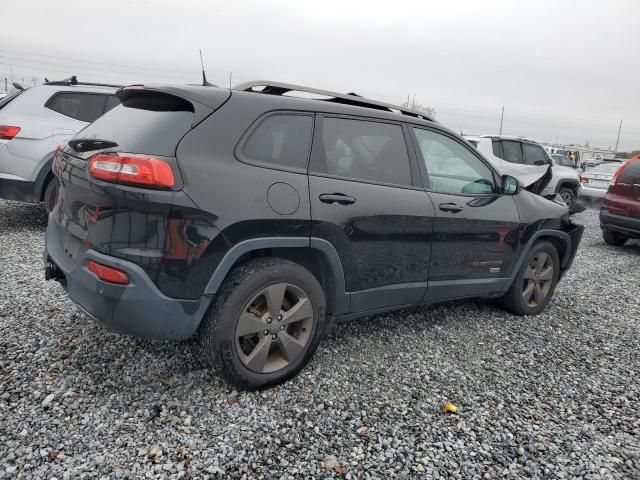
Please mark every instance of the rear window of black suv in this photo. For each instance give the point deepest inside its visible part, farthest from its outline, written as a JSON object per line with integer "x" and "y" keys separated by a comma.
{"x": 147, "y": 122}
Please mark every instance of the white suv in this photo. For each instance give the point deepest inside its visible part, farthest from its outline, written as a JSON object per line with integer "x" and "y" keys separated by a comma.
{"x": 33, "y": 122}
{"x": 503, "y": 150}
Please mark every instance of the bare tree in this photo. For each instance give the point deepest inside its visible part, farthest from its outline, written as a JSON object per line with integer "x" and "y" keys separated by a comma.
{"x": 426, "y": 109}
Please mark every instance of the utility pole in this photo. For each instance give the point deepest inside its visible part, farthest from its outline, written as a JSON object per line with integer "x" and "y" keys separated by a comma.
{"x": 618, "y": 139}
{"x": 230, "y": 75}
{"x": 501, "y": 118}
{"x": 413, "y": 102}
{"x": 6, "y": 88}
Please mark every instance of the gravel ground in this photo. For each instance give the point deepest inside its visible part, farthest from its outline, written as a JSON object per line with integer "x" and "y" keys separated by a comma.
{"x": 552, "y": 396}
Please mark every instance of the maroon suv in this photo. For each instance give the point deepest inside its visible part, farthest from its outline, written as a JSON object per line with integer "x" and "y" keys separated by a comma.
{"x": 620, "y": 213}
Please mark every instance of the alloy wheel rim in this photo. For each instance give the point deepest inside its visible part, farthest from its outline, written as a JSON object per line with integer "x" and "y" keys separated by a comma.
{"x": 274, "y": 328}
{"x": 566, "y": 196}
{"x": 538, "y": 276}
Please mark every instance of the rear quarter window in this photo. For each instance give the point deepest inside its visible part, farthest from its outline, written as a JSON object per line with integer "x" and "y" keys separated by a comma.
{"x": 280, "y": 140}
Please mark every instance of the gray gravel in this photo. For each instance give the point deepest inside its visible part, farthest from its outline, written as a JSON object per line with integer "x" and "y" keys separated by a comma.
{"x": 553, "y": 396}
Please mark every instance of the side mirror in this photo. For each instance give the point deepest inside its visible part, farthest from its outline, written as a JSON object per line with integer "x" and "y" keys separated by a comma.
{"x": 510, "y": 185}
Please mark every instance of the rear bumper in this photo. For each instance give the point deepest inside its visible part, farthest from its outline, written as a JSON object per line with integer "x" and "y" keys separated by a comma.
{"x": 19, "y": 190}
{"x": 138, "y": 309}
{"x": 592, "y": 192}
{"x": 626, "y": 225}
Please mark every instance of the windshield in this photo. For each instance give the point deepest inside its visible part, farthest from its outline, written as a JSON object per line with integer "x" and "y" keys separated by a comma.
{"x": 609, "y": 168}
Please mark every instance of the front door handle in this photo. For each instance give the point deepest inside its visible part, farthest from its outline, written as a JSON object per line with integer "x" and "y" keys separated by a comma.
{"x": 450, "y": 207}
{"x": 337, "y": 199}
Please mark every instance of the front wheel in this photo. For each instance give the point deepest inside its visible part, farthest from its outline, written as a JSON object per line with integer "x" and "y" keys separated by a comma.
{"x": 569, "y": 197}
{"x": 536, "y": 281}
{"x": 265, "y": 323}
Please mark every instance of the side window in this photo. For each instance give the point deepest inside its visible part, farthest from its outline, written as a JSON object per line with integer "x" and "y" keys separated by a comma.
{"x": 451, "y": 167}
{"x": 112, "y": 101}
{"x": 85, "y": 107}
{"x": 534, "y": 154}
{"x": 497, "y": 149}
{"x": 512, "y": 152}
{"x": 363, "y": 150}
{"x": 282, "y": 140}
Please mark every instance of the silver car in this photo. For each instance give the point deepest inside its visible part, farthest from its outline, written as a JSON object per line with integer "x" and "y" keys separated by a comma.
{"x": 33, "y": 122}
{"x": 596, "y": 181}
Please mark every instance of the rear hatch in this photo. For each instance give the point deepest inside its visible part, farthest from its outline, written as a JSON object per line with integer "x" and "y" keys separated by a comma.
{"x": 623, "y": 197}
{"x": 121, "y": 189}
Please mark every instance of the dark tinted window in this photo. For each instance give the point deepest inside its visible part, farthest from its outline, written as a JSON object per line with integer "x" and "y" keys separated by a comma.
{"x": 631, "y": 172}
{"x": 497, "y": 148}
{"x": 511, "y": 151}
{"x": 282, "y": 139}
{"x": 85, "y": 107}
{"x": 534, "y": 154}
{"x": 145, "y": 122}
{"x": 363, "y": 150}
{"x": 112, "y": 101}
{"x": 451, "y": 167}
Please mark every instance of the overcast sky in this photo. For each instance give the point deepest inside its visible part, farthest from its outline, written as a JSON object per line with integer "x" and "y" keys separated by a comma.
{"x": 565, "y": 70}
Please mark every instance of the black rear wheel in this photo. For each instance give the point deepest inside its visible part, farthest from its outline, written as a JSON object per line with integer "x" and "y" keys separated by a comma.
{"x": 536, "y": 281}
{"x": 50, "y": 194}
{"x": 265, "y": 323}
{"x": 614, "y": 238}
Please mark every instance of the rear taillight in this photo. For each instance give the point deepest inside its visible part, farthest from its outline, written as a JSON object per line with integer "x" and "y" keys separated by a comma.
{"x": 108, "y": 274}
{"x": 583, "y": 179}
{"x": 136, "y": 170}
{"x": 8, "y": 132}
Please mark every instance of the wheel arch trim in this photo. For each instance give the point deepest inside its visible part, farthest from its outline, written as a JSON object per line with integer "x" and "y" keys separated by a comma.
{"x": 541, "y": 234}
{"x": 341, "y": 297}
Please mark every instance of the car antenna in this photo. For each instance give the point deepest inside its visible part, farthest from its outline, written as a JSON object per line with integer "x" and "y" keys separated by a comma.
{"x": 205, "y": 83}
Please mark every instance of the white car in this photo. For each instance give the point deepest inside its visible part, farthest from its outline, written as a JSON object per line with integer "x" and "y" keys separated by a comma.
{"x": 596, "y": 181}
{"x": 33, "y": 122}
{"x": 506, "y": 152}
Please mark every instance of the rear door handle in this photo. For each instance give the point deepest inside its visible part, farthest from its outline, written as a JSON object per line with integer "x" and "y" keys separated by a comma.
{"x": 450, "y": 207}
{"x": 337, "y": 199}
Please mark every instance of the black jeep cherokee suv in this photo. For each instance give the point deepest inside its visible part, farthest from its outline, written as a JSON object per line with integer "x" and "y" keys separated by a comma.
{"x": 254, "y": 218}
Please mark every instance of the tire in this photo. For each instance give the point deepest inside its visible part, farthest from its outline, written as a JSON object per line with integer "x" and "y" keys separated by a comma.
{"x": 244, "y": 292}
{"x": 515, "y": 300}
{"x": 50, "y": 194}
{"x": 569, "y": 197}
{"x": 614, "y": 238}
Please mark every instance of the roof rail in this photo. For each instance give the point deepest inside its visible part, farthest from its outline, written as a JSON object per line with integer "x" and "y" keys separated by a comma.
{"x": 278, "y": 88}
{"x": 73, "y": 80}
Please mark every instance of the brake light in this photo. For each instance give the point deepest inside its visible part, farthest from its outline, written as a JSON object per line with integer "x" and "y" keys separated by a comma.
{"x": 8, "y": 132}
{"x": 108, "y": 274}
{"x": 583, "y": 179}
{"x": 137, "y": 170}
